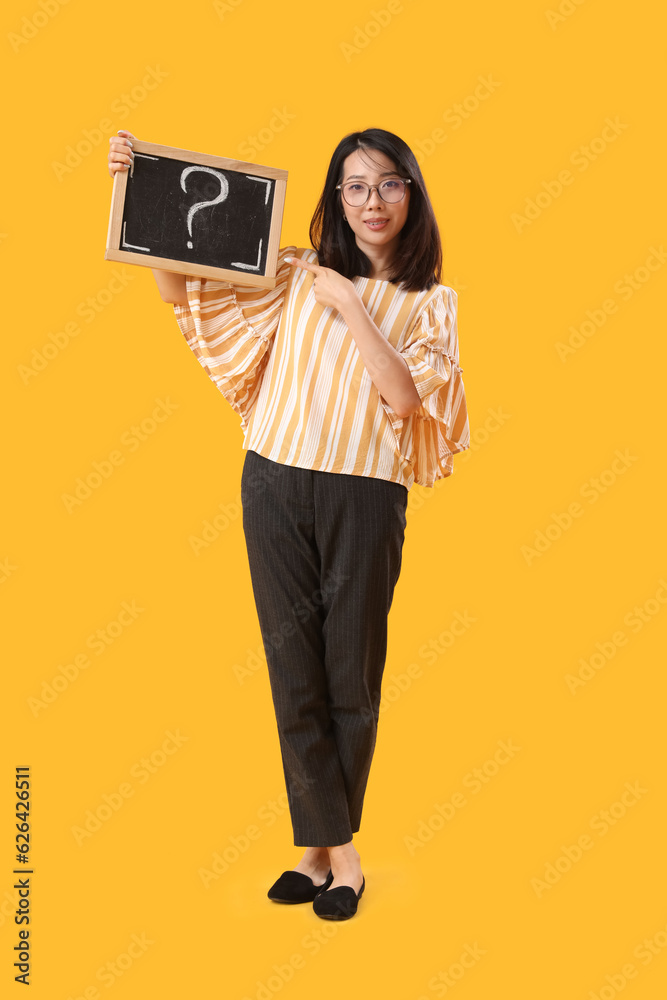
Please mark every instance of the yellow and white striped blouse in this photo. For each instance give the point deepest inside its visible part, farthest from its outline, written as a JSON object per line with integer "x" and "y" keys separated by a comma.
{"x": 292, "y": 371}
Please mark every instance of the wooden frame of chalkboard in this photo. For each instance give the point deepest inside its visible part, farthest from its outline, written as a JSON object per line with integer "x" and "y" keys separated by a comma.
{"x": 197, "y": 214}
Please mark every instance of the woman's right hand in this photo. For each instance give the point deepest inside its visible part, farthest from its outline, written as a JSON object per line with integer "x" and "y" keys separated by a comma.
{"x": 121, "y": 155}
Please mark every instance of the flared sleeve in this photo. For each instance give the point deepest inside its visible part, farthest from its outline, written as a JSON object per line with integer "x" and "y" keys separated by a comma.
{"x": 430, "y": 436}
{"x": 230, "y": 329}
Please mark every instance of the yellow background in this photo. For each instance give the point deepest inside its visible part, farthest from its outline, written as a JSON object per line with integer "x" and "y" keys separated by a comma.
{"x": 475, "y": 881}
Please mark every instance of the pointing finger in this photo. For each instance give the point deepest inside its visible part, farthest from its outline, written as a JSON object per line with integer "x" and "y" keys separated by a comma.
{"x": 315, "y": 268}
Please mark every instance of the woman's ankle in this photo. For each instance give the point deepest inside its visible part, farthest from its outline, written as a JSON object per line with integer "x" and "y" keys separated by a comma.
{"x": 344, "y": 852}
{"x": 316, "y": 853}
{"x": 315, "y": 860}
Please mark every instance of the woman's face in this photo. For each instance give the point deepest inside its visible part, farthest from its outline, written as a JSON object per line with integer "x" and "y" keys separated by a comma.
{"x": 377, "y": 224}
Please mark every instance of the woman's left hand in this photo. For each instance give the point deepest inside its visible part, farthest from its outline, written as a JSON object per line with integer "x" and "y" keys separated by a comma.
{"x": 330, "y": 287}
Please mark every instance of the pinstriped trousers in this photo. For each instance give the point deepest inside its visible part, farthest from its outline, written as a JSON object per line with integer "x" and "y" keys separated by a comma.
{"x": 324, "y": 550}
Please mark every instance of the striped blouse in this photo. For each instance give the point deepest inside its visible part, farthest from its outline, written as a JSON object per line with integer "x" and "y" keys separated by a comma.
{"x": 292, "y": 371}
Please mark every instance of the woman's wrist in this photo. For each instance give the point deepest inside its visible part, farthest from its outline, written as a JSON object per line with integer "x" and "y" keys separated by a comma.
{"x": 352, "y": 306}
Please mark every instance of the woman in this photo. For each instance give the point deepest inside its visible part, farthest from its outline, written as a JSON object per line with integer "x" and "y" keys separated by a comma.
{"x": 347, "y": 382}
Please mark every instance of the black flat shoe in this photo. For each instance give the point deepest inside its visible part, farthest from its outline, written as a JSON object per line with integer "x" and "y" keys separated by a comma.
{"x": 339, "y": 903}
{"x": 295, "y": 887}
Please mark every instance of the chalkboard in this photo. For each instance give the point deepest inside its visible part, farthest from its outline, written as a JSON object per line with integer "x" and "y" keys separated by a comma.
{"x": 197, "y": 214}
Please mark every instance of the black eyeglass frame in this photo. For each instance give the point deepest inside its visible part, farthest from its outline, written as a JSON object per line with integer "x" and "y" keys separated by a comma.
{"x": 371, "y": 187}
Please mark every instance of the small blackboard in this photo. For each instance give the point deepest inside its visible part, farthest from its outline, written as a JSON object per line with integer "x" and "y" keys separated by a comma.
{"x": 197, "y": 214}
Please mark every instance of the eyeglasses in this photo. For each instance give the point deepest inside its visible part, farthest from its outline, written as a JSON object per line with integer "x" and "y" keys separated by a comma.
{"x": 357, "y": 194}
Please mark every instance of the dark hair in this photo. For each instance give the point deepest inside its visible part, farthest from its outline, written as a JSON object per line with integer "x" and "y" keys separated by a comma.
{"x": 418, "y": 262}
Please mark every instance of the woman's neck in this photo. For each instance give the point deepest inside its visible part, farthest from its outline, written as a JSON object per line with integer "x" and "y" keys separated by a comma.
{"x": 381, "y": 259}
{"x": 379, "y": 274}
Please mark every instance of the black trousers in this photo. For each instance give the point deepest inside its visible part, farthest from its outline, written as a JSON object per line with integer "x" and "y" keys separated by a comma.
{"x": 325, "y": 555}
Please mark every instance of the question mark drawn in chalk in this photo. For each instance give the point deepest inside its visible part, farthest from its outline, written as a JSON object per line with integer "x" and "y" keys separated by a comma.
{"x": 224, "y": 191}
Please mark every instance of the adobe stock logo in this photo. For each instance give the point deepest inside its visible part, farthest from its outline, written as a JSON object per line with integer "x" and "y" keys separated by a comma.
{"x": 364, "y": 34}
{"x": 592, "y": 491}
{"x": 112, "y": 802}
{"x": 475, "y": 780}
{"x": 566, "y": 8}
{"x": 581, "y": 158}
{"x": 455, "y": 116}
{"x": 606, "y": 649}
{"x": 596, "y": 317}
{"x": 645, "y": 951}
{"x": 31, "y": 26}
{"x": 100, "y": 641}
{"x": 121, "y": 107}
{"x": 221, "y": 8}
{"x": 601, "y": 823}
{"x": 254, "y": 144}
